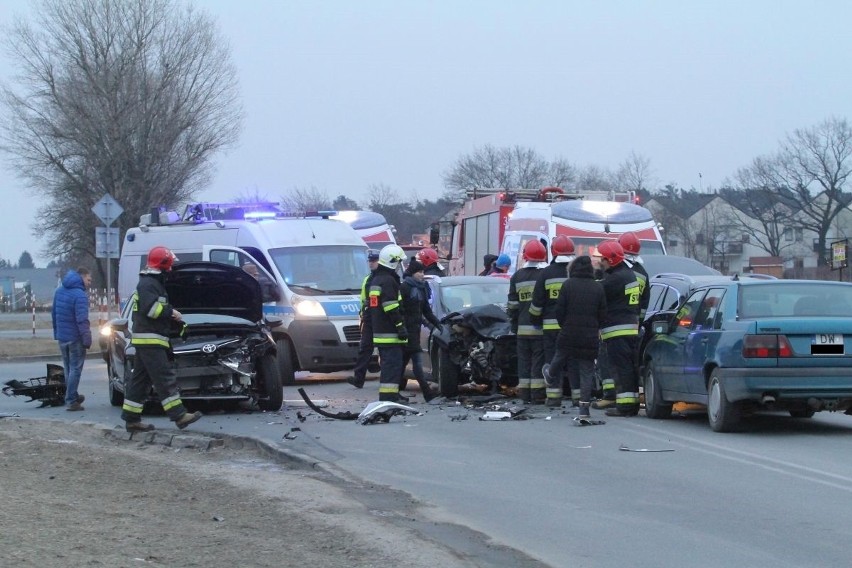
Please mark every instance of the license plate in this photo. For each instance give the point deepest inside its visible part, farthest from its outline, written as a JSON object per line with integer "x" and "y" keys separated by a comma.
{"x": 827, "y": 344}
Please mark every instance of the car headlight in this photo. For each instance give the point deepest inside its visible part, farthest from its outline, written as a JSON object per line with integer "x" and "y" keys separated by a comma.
{"x": 106, "y": 331}
{"x": 305, "y": 307}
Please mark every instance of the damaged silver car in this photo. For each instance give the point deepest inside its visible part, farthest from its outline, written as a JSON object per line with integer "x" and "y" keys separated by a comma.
{"x": 225, "y": 353}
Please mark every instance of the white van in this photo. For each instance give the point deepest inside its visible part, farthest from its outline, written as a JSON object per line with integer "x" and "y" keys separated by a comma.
{"x": 312, "y": 268}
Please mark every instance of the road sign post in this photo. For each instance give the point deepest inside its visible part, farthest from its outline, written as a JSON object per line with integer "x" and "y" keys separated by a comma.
{"x": 107, "y": 210}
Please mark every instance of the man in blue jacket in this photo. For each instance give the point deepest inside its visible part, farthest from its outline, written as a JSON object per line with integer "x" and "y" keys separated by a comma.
{"x": 71, "y": 329}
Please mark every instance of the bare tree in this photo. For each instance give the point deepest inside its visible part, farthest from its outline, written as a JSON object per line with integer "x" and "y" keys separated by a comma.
{"x": 635, "y": 174}
{"x": 594, "y": 178}
{"x": 380, "y": 196}
{"x": 306, "y": 199}
{"x": 512, "y": 168}
{"x": 815, "y": 164}
{"x": 127, "y": 97}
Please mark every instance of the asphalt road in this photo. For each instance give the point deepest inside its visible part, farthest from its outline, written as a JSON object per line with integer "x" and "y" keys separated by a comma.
{"x": 774, "y": 496}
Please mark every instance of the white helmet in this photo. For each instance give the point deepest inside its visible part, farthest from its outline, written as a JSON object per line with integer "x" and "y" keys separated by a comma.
{"x": 391, "y": 256}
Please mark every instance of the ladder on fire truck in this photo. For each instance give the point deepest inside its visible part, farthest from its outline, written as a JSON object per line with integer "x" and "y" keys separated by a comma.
{"x": 550, "y": 194}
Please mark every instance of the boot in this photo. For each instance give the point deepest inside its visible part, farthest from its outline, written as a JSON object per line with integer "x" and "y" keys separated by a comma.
{"x": 138, "y": 427}
{"x": 584, "y": 410}
{"x": 358, "y": 384}
{"x": 186, "y": 419}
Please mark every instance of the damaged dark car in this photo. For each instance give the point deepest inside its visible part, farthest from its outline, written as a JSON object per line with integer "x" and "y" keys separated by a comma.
{"x": 475, "y": 345}
{"x": 224, "y": 354}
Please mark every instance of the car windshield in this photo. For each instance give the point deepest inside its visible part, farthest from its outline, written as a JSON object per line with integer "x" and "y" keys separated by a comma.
{"x": 796, "y": 299}
{"x": 588, "y": 246}
{"x": 460, "y": 296}
{"x": 322, "y": 269}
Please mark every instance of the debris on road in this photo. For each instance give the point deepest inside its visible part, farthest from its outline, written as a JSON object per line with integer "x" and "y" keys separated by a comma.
{"x": 336, "y": 415}
{"x": 583, "y": 421}
{"x": 49, "y": 390}
{"x": 624, "y": 448}
{"x": 383, "y": 411}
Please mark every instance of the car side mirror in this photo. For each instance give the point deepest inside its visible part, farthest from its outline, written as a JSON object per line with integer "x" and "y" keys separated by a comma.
{"x": 662, "y": 322}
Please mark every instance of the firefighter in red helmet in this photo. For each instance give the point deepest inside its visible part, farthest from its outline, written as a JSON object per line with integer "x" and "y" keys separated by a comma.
{"x": 543, "y": 309}
{"x": 631, "y": 245}
{"x": 428, "y": 257}
{"x": 153, "y": 318}
{"x": 620, "y": 331}
{"x": 531, "y": 386}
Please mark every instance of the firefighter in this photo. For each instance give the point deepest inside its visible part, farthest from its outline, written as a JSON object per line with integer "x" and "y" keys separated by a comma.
{"x": 528, "y": 335}
{"x": 365, "y": 345}
{"x": 543, "y": 311}
{"x": 631, "y": 245}
{"x": 428, "y": 257}
{"x": 153, "y": 318}
{"x": 620, "y": 331}
{"x": 389, "y": 333}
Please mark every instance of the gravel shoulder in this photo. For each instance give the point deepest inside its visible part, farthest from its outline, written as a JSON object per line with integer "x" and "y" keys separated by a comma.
{"x": 74, "y": 495}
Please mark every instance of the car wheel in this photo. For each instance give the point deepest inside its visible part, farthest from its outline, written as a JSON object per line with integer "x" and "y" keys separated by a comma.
{"x": 286, "y": 369}
{"x": 447, "y": 374}
{"x": 654, "y": 405}
{"x": 802, "y": 412}
{"x": 724, "y": 416}
{"x": 116, "y": 397}
{"x": 270, "y": 379}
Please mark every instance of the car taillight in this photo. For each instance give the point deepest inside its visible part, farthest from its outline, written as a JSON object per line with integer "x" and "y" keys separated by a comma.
{"x": 763, "y": 346}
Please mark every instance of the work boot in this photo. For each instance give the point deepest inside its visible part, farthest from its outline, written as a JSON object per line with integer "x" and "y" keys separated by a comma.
{"x": 401, "y": 398}
{"x": 430, "y": 393}
{"x": 624, "y": 413}
{"x": 186, "y": 419}
{"x": 584, "y": 410}
{"x": 358, "y": 384}
{"x": 138, "y": 427}
{"x": 75, "y": 406}
{"x": 602, "y": 403}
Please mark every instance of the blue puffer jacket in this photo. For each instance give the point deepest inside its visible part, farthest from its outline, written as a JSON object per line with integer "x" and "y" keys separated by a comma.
{"x": 71, "y": 311}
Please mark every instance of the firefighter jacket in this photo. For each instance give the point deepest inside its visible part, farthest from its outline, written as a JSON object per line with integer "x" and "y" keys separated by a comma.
{"x": 546, "y": 294}
{"x": 521, "y": 286}
{"x": 644, "y": 288}
{"x": 622, "y": 302}
{"x": 580, "y": 309}
{"x": 384, "y": 307}
{"x": 415, "y": 308}
{"x": 152, "y": 313}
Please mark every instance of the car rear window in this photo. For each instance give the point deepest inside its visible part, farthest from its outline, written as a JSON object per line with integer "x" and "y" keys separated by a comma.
{"x": 799, "y": 299}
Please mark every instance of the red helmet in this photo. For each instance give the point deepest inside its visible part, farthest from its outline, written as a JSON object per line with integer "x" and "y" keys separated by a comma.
{"x": 630, "y": 243}
{"x": 611, "y": 251}
{"x": 427, "y": 257}
{"x": 534, "y": 251}
{"x": 161, "y": 258}
{"x": 562, "y": 246}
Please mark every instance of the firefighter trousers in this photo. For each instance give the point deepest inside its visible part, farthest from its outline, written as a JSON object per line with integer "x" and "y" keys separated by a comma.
{"x": 391, "y": 360}
{"x": 621, "y": 359}
{"x": 152, "y": 367}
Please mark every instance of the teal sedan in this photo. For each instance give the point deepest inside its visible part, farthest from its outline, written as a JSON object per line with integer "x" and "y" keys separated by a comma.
{"x": 740, "y": 346}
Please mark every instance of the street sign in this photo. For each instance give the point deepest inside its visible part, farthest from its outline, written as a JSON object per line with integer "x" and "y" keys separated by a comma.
{"x": 107, "y": 209}
{"x": 106, "y": 242}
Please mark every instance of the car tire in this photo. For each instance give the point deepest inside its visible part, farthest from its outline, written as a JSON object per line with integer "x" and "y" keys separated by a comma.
{"x": 286, "y": 369}
{"x": 270, "y": 381}
{"x": 116, "y": 397}
{"x": 724, "y": 416}
{"x": 655, "y": 407}
{"x": 447, "y": 374}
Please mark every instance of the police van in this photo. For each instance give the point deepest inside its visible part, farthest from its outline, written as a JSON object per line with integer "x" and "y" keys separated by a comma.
{"x": 310, "y": 268}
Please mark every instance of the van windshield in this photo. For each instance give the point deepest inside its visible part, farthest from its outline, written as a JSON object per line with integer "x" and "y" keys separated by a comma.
{"x": 322, "y": 269}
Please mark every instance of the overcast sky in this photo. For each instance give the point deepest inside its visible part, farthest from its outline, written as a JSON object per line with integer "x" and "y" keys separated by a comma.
{"x": 344, "y": 94}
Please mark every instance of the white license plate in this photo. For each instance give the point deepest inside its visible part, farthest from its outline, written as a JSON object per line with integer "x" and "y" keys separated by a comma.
{"x": 827, "y": 344}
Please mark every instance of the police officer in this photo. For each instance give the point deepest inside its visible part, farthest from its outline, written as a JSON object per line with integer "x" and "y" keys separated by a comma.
{"x": 543, "y": 310}
{"x": 153, "y": 318}
{"x": 365, "y": 345}
{"x": 528, "y": 335}
{"x": 620, "y": 331}
{"x": 389, "y": 332}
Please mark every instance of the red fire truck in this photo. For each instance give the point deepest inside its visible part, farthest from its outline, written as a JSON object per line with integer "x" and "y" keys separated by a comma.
{"x": 492, "y": 221}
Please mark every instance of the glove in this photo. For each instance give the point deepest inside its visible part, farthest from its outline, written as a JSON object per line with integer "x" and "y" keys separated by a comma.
{"x": 402, "y": 333}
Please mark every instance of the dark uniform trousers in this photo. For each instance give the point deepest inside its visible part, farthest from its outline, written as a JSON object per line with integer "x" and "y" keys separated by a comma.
{"x": 391, "y": 359}
{"x": 152, "y": 367}
{"x": 365, "y": 349}
{"x": 621, "y": 360}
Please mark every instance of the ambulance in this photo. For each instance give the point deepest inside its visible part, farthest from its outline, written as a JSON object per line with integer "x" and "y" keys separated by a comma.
{"x": 311, "y": 268}
{"x": 371, "y": 226}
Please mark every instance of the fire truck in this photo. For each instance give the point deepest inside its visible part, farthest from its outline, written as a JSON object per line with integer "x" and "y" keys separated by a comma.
{"x": 494, "y": 221}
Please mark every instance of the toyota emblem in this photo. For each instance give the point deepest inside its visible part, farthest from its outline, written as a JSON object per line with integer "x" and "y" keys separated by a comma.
{"x": 209, "y": 347}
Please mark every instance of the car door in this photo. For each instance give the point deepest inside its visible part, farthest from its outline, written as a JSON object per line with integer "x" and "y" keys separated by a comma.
{"x": 668, "y": 353}
{"x": 701, "y": 340}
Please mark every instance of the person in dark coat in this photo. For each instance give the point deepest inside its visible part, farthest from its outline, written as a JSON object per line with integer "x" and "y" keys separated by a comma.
{"x": 71, "y": 329}
{"x": 488, "y": 263}
{"x": 581, "y": 310}
{"x": 415, "y": 309}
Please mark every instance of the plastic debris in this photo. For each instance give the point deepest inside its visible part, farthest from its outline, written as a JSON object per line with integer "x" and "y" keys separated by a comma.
{"x": 583, "y": 421}
{"x": 383, "y": 411}
{"x": 624, "y": 448}
{"x": 496, "y": 415}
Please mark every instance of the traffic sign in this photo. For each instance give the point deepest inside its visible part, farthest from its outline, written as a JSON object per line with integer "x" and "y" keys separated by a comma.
{"x": 107, "y": 209}
{"x": 106, "y": 242}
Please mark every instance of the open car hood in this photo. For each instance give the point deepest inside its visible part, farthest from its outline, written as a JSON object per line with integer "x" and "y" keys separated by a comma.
{"x": 488, "y": 320}
{"x": 214, "y": 288}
